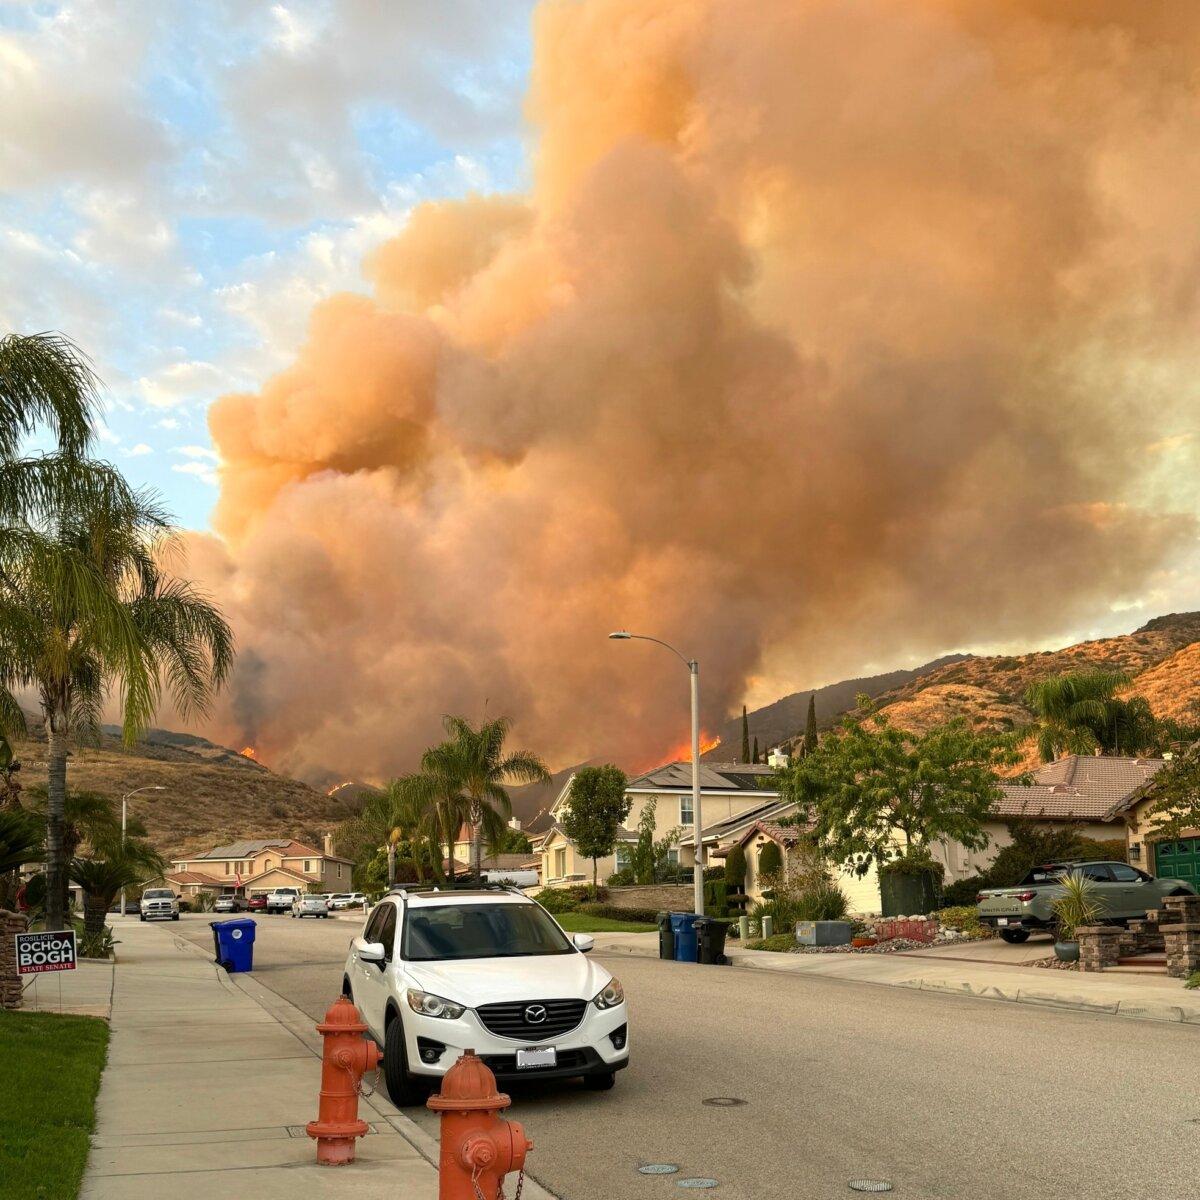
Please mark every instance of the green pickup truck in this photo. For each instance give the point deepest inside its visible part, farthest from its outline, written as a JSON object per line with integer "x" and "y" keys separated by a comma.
{"x": 1016, "y": 912}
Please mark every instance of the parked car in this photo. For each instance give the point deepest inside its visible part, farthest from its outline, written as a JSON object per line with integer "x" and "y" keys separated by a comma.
{"x": 434, "y": 973}
{"x": 280, "y": 900}
{"x": 1124, "y": 891}
{"x": 310, "y": 904}
{"x": 230, "y": 904}
{"x": 257, "y": 903}
{"x": 158, "y": 904}
{"x": 341, "y": 900}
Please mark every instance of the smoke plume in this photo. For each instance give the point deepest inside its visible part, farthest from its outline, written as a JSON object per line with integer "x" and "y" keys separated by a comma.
{"x": 829, "y": 333}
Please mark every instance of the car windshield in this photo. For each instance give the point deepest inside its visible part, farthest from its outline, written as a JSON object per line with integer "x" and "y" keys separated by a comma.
{"x": 448, "y": 931}
{"x": 157, "y": 894}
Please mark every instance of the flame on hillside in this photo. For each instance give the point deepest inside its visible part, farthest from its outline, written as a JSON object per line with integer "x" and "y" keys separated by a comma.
{"x": 683, "y": 751}
{"x": 249, "y": 752}
{"x": 337, "y": 787}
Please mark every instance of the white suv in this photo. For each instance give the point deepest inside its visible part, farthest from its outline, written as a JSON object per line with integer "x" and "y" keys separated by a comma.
{"x": 436, "y": 973}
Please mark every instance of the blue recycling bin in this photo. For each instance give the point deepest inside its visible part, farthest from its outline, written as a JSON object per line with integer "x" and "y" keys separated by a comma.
{"x": 233, "y": 943}
{"x": 687, "y": 946}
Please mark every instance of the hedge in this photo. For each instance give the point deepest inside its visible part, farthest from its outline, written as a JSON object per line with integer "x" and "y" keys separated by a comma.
{"x": 647, "y": 915}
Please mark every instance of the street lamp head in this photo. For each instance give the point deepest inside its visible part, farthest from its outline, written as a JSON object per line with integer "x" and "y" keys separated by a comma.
{"x": 620, "y": 636}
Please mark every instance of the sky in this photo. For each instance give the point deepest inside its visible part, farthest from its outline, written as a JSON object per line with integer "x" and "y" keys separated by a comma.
{"x": 181, "y": 182}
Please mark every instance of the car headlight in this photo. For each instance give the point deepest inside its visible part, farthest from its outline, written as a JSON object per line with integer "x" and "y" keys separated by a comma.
{"x": 610, "y": 995}
{"x": 429, "y": 1005}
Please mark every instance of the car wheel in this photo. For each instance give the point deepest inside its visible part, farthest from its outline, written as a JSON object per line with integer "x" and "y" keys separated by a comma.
{"x": 1014, "y": 937}
{"x": 347, "y": 990}
{"x": 141, "y": 916}
{"x": 600, "y": 1083}
{"x": 174, "y": 916}
{"x": 404, "y": 1090}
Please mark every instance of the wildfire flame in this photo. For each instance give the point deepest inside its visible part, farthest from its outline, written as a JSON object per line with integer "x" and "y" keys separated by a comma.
{"x": 249, "y": 752}
{"x": 338, "y": 786}
{"x": 683, "y": 752}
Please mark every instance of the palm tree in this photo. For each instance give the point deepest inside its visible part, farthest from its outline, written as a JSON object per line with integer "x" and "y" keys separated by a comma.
{"x": 21, "y": 841}
{"x": 114, "y": 616}
{"x": 1080, "y": 713}
{"x": 402, "y": 812}
{"x": 113, "y": 866}
{"x": 473, "y": 759}
{"x": 45, "y": 379}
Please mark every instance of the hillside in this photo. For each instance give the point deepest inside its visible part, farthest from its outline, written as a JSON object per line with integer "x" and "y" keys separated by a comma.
{"x": 211, "y": 794}
{"x": 1162, "y": 657}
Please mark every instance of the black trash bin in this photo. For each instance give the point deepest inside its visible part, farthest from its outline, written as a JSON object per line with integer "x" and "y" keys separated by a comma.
{"x": 710, "y": 934}
{"x": 666, "y": 939}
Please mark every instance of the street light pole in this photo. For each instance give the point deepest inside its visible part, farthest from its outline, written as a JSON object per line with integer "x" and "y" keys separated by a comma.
{"x": 694, "y": 673}
{"x": 154, "y": 787}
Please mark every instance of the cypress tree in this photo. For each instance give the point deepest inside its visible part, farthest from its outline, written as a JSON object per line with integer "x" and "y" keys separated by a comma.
{"x": 810, "y": 726}
{"x": 754, "y": 752}
{"x": 745, "y": 736}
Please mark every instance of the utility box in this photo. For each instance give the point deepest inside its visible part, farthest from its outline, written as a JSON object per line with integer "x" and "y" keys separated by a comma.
{"x": 823, "y": 933}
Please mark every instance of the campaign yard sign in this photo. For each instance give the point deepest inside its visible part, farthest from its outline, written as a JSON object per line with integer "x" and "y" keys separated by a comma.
{"x": 39, "y": 952}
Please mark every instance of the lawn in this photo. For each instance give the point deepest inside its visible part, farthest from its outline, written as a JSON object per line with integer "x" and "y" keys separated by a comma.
{"x": 48, "y": 1082}
{"x": 582, "y": 923}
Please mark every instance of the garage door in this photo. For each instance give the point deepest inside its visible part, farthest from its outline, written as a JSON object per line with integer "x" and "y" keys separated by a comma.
{"x": 1178, "y": 860}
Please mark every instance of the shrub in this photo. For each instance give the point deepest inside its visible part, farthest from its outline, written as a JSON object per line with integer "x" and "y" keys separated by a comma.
{"x": 200, "y": 902}
{"x": 1079, "y": 904}
{"x": 616, "y": 913}
{"x": 963, "y": 891}
{"x": 965, "y": 919}
{"x": 714, "y": 873}
{"x": 97, "y": 945}
{"x": 770, "y": 859}
{"x": 623, "y": 878}
{"x": 1193, "y": 980}
{"x": 826, "y": 902}
{"x": 569, "y": 899}
{"x": 735, "y": 867}
{"x": 1106, "y": 849}
{"x": 716, "y": 897}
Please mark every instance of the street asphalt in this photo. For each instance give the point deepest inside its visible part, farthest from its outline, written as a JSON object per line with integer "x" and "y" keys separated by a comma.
{"x": 939, "y": 1095}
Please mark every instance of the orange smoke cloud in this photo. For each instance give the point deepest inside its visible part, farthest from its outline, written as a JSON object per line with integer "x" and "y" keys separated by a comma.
{"x": 823, "y": 335}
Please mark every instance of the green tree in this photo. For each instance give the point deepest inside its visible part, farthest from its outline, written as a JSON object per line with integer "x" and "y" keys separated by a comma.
{"x": 745, "y": 736}
{"x": 511, "y": 841}
{"x": 877, "y": 793}
{"x": 112, "y": 866}
{"x": 45, "y": 380}
{"x": 810, "y": 725}
{"x": 115, "y": 616}
{"x": 22, "y": 840}
{"x": 594, "y": 811}
{"x": 1080, "y": 713}
{"x": 403, "y": 815}
{"x": 754, "y": 752}
{"x": 1175, "y": 792}
{"x": 475, "y": 760}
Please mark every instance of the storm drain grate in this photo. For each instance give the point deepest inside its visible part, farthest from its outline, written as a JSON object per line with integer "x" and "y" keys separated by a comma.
{"x": 724, "y": 1101}
{"x": 659, "y": 1169}
{"x": 696, "y": 1183}
{"x": 870, "y": 1185}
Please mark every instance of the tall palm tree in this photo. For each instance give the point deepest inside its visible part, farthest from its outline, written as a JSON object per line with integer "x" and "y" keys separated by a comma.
{"x": 120, "y": 619}
{"x": 45, "y": 379}
{"x": 474, "y": 758}
{"x": 402, "y": 812}
{"x": 1080, "y": 713}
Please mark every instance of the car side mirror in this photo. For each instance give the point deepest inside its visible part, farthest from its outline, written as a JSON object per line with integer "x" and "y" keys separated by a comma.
{"x": 369, "y": 951}
{"x": 583, "y": 941}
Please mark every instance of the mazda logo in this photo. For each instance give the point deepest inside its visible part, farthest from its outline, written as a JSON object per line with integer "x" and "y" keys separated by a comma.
{"x": 535, "y": 1014}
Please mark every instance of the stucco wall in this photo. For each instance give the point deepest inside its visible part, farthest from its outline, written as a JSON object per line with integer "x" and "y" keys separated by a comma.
{"x": 662, "y": 896}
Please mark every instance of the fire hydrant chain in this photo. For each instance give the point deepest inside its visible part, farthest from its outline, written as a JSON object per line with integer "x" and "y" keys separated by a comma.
{"x": 499, "y": 1185}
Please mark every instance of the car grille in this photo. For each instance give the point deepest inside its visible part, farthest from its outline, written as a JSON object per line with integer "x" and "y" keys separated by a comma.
{"x": 512, "y": 1020}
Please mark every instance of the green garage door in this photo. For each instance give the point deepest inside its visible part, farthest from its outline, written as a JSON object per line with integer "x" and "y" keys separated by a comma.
{"x": 1178, "y": 860}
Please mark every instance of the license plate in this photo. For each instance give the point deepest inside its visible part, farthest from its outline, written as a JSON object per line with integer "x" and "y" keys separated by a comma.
{"x": 542, "y": 1056}
{"x": 1001, "y": 920}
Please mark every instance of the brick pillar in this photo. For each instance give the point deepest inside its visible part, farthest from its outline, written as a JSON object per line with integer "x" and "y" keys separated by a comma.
{"x": 1183, "y": 948}
{"x": 10, "y": 982}
{"x": 1099, "y": 946}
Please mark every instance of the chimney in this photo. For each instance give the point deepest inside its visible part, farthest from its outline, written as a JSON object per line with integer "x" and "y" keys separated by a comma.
{"x": 328, "y": 844}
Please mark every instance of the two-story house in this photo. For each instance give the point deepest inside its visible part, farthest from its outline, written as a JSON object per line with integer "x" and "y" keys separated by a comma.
{"x": 260, "y": 866}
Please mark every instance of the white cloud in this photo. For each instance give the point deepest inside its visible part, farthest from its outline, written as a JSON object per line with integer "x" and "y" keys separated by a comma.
{"x": 167, "y": 423}
{"x": 198, "y": 452}
{"x": 182, "y": 382}
{"x": 199, "y": 470}
{"x": 138, "y": 451}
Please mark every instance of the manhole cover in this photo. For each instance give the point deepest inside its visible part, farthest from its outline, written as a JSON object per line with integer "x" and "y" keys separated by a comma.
{"x": 724, "y": 1101}
{"x": 696, "y": 1183}
{"x": 870, "y": 1185}
{"x": 659, "y": 1169}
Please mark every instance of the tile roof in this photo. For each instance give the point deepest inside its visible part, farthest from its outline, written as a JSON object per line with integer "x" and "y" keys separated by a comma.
{"x": 244, "y": 849}
{"x": 714, "y": 777}
{"x": 726, "y": 828}
{"x": 192, "y": 877}
{"x": 1078, "y": 787}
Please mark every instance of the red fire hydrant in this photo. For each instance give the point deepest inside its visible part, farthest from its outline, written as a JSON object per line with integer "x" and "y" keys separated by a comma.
{"x": 347, "y": 1057}
{"x": 479, "y": 1147}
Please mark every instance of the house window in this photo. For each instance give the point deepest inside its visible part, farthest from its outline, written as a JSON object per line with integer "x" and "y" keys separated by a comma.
{"x": 339, "y": 870}
{"x": 624, "y": 860}
{"x": 229, "y": 868}
{"x": 308, "y": 866}
{"x": 673, "y": 855}
{"x": 687, "y": 814}
{"x": 560, "y": 862}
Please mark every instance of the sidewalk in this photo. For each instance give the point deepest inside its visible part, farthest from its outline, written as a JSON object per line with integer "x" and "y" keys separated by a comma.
{"x": 1143, "y": 997}
{"x": 210, "y": 1081}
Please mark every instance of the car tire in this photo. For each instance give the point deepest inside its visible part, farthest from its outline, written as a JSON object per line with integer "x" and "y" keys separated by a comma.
{"x": 404, "y": 1090}
{"x": 347, "y": 990}
{"x": 1014, "y": 937}
{"x": 174, "y": 916}
{"x": 600, "y": 1083}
